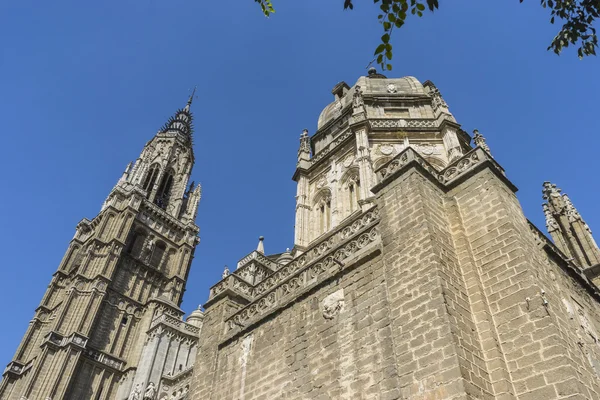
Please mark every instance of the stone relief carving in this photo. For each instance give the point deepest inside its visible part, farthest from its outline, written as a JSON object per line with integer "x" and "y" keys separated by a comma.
{"x": 391, "y": 88}
{"x": 333, "y": 304}
{"x": 348, "y": 161}
{"x": 322, "y": 182}
{"x": 386, "y": 149}
{"x": 135, "y": 393}
{"x": 150, "y": 392}
{"x": 357, "y": 99}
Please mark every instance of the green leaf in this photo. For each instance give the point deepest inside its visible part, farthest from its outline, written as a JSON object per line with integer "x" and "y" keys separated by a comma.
{"x": 389, "y": 67}
{"x": 420, "y": 6}
{"x": 385, "y": 38}
{"x": 380, "y": 48}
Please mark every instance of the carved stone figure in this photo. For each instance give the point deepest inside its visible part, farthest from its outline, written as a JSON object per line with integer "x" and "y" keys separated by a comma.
{"x": 135, "y": 393}
{"x": 225, "y": 272}
{"x": 357, "y": 99}
{"x": 150, "y": 391}
{"x": 333, "y": 304}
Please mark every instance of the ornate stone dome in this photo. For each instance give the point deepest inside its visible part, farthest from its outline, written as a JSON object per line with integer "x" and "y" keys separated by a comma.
{"x": 372, "y": 85}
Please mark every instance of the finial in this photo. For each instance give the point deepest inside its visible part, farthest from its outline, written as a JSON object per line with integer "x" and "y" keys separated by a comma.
{"x": 479, "y": 140}
{"x": 550, "y": 190}
{"x": 372, "y": 70}
{"x": 225, "y": 272}
{"x": 261, "y": 247}
{"x": 189, "y": 103}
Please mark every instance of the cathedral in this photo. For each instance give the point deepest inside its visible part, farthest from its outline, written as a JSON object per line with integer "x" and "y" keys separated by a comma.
{"x": 414, "y": 275}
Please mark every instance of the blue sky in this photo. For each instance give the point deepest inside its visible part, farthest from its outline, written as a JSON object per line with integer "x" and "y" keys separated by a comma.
{"x": 83, "y": 86}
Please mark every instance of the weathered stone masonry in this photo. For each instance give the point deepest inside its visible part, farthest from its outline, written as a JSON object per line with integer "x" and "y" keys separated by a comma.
{"x": 450, "y": 294}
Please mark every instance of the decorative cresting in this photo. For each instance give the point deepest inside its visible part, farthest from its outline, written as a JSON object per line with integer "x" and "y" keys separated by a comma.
{"x": 452, "y": 173}
{"x": 320, "y": 262}
{"x": 567, "y": 228}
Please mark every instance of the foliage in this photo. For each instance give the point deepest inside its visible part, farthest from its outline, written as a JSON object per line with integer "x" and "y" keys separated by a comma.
{"x": 577, "y": 16}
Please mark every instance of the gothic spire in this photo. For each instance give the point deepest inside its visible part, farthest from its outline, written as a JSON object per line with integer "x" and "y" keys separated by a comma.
{"x": 568, "y": 229}
{"x": 181, "y": 122}
{"x": 190, "y": 100}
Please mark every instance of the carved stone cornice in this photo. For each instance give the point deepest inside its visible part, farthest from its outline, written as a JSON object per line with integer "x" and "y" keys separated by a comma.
{"x": 169, "y": 323}
{"x": 17, "y": 368}
{"x": 453, "y": 174}
{"x": 317, "y": 265}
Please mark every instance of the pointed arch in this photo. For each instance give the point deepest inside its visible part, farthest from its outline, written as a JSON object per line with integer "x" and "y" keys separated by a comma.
{"x": 321, "y": 212}
{"x": 150, "y": 178}
{"x": 158, "y": 253}
{"x": 164, "y": 189}
{"x": 136, "y": 242}
{"x": 436, "y": 162}
{"x": 380, "y": 162}
{"x": 350, "y": 191}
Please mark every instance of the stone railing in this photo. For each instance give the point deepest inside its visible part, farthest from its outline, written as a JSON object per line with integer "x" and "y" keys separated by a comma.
{"x": 105, "y": 359}
{"x": 322, "y": 261}
{"x": 453, "y": 171}
{"x": 404, "y": 123}
{"x": 331, "y": 146}
{"x": 233, "y": 283}
{"x": 318, "y": 249}
{"x": 173, "y": 322}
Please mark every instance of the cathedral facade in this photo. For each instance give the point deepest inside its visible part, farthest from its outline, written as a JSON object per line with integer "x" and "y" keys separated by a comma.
{"x": 414, "y": 275}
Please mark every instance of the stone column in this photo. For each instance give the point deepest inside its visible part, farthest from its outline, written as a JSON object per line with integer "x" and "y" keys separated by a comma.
{"x": 365, "y": 168}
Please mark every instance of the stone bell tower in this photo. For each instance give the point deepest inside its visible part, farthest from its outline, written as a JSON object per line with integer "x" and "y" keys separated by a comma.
{"x": 121, "y": 270}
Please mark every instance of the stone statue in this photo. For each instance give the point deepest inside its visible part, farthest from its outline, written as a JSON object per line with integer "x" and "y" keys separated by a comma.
{"x": 147, "y": 249}
{"x": 357, "y": 99}
{"x": 135, "y": 393}
{"x": 150, "y": 392}
{"x": 225, "y": 272}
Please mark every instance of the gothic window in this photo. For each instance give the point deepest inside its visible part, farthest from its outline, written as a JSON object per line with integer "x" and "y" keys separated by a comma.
{"x": 151, "y": 177}
{"x": 168, "y": 259}
{"x": 351, "y": 191}
{"x": 136, "y": 245}
{"x": 322, "y": 213}
{"x": 157, "y": 254}
{"x": 164, "y": 190}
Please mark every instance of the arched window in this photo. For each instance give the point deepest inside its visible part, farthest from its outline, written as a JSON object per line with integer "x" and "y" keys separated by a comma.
{"x": 136, "y": 245}
{"x": 151, "y": 177}
{"x": 164, "y": 190}
{"x": 322, "y": 213}
{"x": 157, "y": 254}
{"x": 351, "y": 191}
{"x": 353, "y": 196}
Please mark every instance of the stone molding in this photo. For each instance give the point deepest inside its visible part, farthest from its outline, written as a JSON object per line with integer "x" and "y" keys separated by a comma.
{"x": 175, "y": 325}
{"x": 453, "y": 174}
{"x": 317, "y": 265}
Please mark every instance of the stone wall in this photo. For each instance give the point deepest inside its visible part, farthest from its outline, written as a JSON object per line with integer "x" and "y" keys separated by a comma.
{"x": 459, "y": 298}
